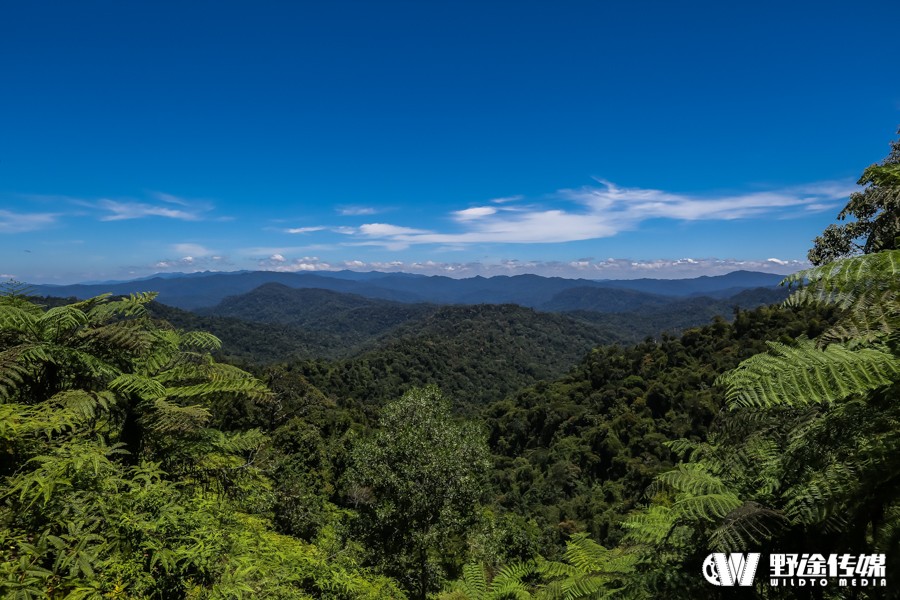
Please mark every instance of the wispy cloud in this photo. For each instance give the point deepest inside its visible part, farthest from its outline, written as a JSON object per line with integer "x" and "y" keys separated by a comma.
{"x": 476, "y": 212}
{"x": 117, "y": 210}
{"x": 507, "y": 199}
{"x": 170, "y": 199}
{"x": 303, "y": 229}
{"x": 384, "y": 230}
{"x": 355, "y": 211}
{"x": 15, "y": 222}
{"x": 602, "y": 211}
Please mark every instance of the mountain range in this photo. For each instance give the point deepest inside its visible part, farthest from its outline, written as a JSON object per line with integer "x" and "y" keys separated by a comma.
{"x": 208, "y": 289}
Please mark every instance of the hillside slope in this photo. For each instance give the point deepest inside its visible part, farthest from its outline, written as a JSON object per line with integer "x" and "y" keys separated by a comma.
{"x": 473, "y": 353}
{"x": 349, "y": 317}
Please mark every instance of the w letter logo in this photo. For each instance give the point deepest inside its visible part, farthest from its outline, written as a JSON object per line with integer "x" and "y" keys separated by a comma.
{"x": 730, "y": 569}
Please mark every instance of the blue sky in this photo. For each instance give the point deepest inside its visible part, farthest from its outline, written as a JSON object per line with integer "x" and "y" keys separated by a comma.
{"x": 594, "y": 139}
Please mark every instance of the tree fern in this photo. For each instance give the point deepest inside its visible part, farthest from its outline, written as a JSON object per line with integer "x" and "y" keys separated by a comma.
{"x": 802, "y": 374}
{"x": 843, "y": 281}
{"x": 82, "y": 518}
{"x": 747, "y": 526}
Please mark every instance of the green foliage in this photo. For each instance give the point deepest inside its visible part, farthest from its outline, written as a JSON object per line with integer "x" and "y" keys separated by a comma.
{"x": 795, "y": 375}
{"x": 417, "y": 484}
{"x": 577, "y": 454}
{"x": 115, "y": 484}
{"x": 806, "y": 454}
{"x": 876, "y": 211}
{"x": 474, "y": 354}
{"x": 477, "y": 584}
{"x": 589, "y": 571}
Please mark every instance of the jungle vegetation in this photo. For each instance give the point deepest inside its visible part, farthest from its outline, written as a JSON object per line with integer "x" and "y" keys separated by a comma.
{"x": 487, "y": 452}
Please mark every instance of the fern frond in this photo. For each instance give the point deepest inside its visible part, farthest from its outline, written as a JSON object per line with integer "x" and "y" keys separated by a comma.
{"x": 804, "y": 374}
{"x": 873, "y": 317}
{"x": 747, "y": 526}
{"x": 475, "y": 579}
{"x": 693, "y": 478}
{"x": 816, "y": 498}
{"x": 82, "y": 404}
{"x": 169, "y": 418}
{"x": 140, "y": 385}
{"x": 122, "y": 335}
{"x": 583, "y": 553}
{"x": 706, "y": 507}
{"x": 200, "y": 340}
{"x": 21, "y": 319}
{"x": 103, "y": 311}
{"x": 515, "y": 571}
{"x": 13, "y": 370}
{"x": 61, "y": 320}
{"x": 650, "y": 526}
{"x": 841, "y": 282}
{"x": 550, "y": 568}
{"x": 683, "y": 448}
{"x": 508, "y": 590}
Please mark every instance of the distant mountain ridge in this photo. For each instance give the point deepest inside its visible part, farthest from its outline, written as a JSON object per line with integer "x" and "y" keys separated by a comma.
{"x": 353, "y": 317}
{"x": 203, "y": 290}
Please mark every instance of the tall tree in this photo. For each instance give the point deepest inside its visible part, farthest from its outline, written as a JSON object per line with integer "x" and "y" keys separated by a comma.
{"x": 876, "y": 210}
{"x": 417, "y": 484}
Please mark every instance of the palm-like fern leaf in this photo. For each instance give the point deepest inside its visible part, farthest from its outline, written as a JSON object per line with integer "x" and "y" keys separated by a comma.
{"x": 805, "y": 374}
{"x": 747, "y": 526}
{"x": 843, "y": 281}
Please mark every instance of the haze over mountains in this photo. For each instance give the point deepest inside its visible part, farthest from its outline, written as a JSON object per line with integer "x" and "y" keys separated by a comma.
{"x": 202, "y": 290}
{"x": 499, "y": 334}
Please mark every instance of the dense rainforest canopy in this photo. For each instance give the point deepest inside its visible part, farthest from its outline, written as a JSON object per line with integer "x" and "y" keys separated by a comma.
{"x": 461, "y": 452}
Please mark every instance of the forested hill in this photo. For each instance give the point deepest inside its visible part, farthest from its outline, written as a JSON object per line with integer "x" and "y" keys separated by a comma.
{"x": 578, "y": 453}
{"x": 277, "y": 323}
{"x": 351, "y": 317}
{"x": 636, "y": 323}
{"x": 473, "y": 353}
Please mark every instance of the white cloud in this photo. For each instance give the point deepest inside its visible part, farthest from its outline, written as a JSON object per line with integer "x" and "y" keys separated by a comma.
{"x": 304, "y": 229}
{"x": 13, "y": 222}
{"x": 196, "y": 258}
{"x": 355, "y": 211}
{"x": 594, "y": 212}
{"x": 631, "y": 205}
{"x": 306, "y": 263}
{"x": 506, "y": 199}
{"x": 163, "y": 197}
{"x": 475, "y": 212}
{"x": 610, "y": 268}
{"x": 384, "y": 229}
{"x": 123, "y": 210}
